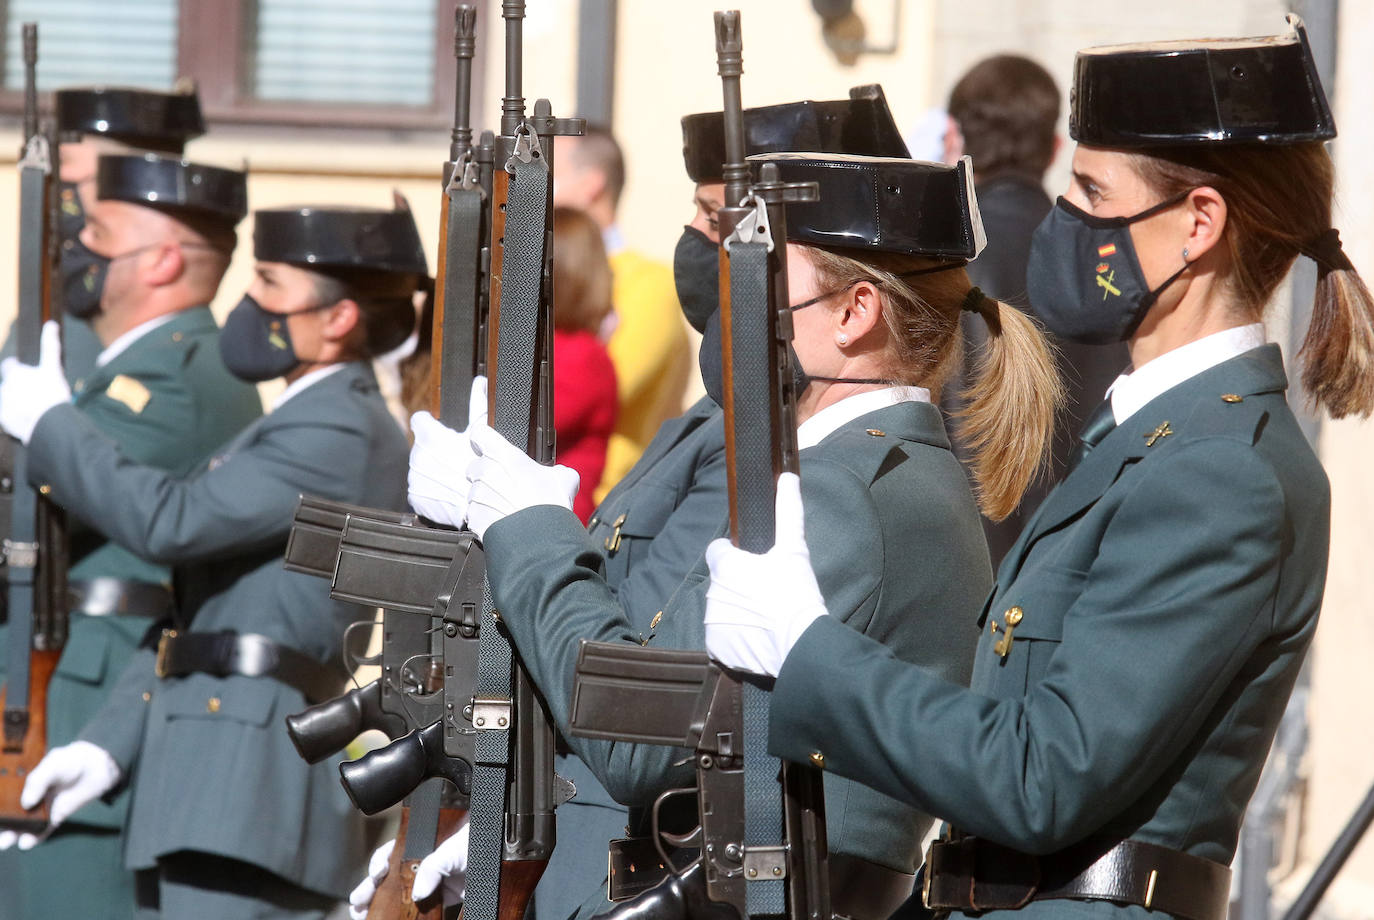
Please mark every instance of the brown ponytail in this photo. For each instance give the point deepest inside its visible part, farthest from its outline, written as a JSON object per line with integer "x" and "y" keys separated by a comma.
{"x": 1015, "y": 391}
{"x": 1278, "y": 201}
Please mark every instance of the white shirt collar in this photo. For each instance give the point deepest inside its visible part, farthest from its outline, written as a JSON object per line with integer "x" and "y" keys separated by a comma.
{"x": 819, "y": 426}
{"x": 1130, "y": 392}
{"x": 301, "y": 383}
{"x": 121, "y": 344}
{"x": 613, "y": 239}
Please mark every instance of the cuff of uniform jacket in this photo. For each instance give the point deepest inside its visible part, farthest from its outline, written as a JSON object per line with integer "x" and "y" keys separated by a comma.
{"x": 817, "y": 673}
{"x": 525, "y": 537}
{"x": 120, "y": 741}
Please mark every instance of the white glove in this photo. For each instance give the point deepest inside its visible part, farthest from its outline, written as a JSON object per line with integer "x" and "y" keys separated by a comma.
{"x": 438, "y": 486}
{"x": 447, "y": 865}
{"x": 29, "y": 390}
{"x": 360, "y": 899}
{"x": 73, "y": 775}
{"x": 758, "y": 606}
{"x": 505, "y": 480}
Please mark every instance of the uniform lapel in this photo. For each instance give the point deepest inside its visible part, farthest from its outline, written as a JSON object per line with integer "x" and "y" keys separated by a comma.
{"x": 1257, "y": 371}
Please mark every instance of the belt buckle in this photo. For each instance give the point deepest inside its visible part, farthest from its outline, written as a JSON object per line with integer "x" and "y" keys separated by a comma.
{"x": 162, "y": 650}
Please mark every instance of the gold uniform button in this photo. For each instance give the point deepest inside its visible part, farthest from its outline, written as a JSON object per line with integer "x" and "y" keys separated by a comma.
{"x": 876, "y": 432}
{"x": 212, "y": 704}
{"x": 45, "y": 489}
{"x": 818, "y": 759}
{"x": 147, "y": 696}
{"x": 177, "y": 336}
{"x": 1231, "y": 398}
{"x": 1014, "y": 615}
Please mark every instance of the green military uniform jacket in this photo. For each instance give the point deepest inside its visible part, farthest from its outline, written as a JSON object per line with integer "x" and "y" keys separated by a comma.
{"x": 1169, "y": 590}
{"x": 210, "y": 767}
{"x": 167, "y": 401}
{"x": 890, "y": 484}
{"x": 650, "y": 529}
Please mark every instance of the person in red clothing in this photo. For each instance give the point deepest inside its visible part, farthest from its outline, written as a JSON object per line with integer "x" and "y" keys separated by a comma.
{"x": 585, "y": 404}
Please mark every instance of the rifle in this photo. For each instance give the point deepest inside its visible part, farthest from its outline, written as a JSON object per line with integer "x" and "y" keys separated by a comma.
{"x": 35, "y": 552}
{"x": 494, "y": 721}
{"x": 680, "y": 698}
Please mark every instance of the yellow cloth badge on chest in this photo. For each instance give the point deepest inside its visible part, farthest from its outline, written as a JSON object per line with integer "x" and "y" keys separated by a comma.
{"x": 128, "y": 391}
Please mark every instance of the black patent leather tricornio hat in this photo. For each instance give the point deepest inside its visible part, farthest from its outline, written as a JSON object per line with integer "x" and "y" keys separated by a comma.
{"x": 885, "y": 204}
{"x": 1243, "y": 90}
{"x": 371, "y": 246}
{"x": 141, "y": 118}
{"x": 173, "y": 185}
{"x": 861, "y": 124}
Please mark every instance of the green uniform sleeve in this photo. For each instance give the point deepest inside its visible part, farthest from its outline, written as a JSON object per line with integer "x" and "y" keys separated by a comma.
{"x": 1177, "y": 600}
{"x": 560, "y": 597}
{"x": 243, "y": 504}
{"x": 118, "y": 725}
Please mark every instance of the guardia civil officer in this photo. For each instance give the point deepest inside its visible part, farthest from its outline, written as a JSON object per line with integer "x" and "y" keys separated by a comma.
{"x": 226, "y": 820}
{"x": 877, "y": 279}
{"x": 1146, "y": 629}
{"x": 161, "y": 232}
{"x": 652, "y": 528}
{"x": 91, "y": 121}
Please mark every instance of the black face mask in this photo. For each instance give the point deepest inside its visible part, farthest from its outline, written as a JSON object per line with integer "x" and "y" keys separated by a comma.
{"x": 712, "y": 370}
{"x": 696, "y": 272}
{"x": 82, "y": 271}
{"x": 255, "y": 344}
{"x": 1084, "y": 279}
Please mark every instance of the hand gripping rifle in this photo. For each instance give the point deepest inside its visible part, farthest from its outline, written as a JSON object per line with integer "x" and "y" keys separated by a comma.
{"x": 494, "y": 724}
{"x": 35, "y": 551}
{"x": 761, "y": 853}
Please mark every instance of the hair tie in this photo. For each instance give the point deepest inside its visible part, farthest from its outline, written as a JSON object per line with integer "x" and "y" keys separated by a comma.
{"x": 974, "y": 301}
{"x": 1325, "y": 249}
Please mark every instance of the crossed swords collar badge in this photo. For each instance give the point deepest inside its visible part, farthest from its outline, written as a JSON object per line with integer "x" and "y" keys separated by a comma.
{"x": 1161, "y": 431}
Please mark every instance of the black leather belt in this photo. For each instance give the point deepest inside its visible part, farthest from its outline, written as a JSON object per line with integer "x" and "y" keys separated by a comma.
{"x": 859, "y": 889}
{"x": 225, "y": 653}
{"x": 105, "y": 596}
{"x": 967, "y": 873}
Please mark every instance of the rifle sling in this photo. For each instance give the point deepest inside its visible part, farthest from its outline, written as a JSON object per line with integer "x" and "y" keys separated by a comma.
{"x": 522, "y": 269}
{"x": 751, "y": 371}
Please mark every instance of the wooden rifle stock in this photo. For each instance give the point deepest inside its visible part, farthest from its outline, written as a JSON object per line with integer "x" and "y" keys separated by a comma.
{"x": 518, "y": 880}
{"x": 15, "y": 766}
{"x": 392, "y": 900}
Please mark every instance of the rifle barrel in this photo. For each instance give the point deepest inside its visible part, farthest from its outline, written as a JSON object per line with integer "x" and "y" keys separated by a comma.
{"x": 30, "y": 40}
{"x": 730, "y": 65}
{"x": 513, "y": 103}
{"x": 464, "y": 47}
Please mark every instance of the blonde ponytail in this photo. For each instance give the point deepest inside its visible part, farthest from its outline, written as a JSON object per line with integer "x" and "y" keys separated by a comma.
{"x": 1010, "y": 406}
